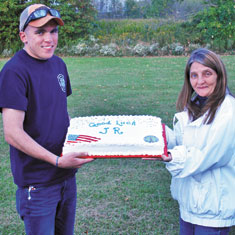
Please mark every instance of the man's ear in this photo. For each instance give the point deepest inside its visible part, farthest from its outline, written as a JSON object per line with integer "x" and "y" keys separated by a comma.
{"x": 23, "y": 37}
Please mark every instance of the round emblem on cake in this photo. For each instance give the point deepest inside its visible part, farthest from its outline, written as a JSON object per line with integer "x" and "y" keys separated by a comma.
{"x": 151, "y": 139}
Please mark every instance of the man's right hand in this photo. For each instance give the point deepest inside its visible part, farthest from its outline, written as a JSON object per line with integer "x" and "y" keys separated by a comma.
{"x": 73, "y": 160}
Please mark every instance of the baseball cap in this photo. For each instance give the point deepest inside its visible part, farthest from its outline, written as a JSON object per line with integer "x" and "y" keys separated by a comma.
{"x": 40, "y": 21}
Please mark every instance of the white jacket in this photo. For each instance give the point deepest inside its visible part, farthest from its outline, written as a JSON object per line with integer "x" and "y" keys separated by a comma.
{"x": 203, "y": 167}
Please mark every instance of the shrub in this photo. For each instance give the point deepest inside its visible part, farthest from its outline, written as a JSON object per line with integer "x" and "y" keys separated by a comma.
{"x": 176, "y": 49}
{"x": 77, "y": 16}
{"x": 92, "y": 47}
{"x": 81, "y": 49}
{"x": 216, "y": 25}
{"x": 191, "y": 47}
{"x": 140, "y": 50}
{"x": 153, "y": 49}
{"x": 7, "y": 53}
{"x": 164, "y": 51}
{"x": 131, "y": 31}
{"x": 109, "y": 50}
{"x": 94, "y": 50}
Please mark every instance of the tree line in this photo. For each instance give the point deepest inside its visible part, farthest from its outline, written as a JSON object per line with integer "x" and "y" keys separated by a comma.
{"x": 213, "y": 23}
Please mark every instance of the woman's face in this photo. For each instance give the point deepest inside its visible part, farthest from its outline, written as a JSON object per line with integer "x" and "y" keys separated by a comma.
{"x": 203, "y": 79}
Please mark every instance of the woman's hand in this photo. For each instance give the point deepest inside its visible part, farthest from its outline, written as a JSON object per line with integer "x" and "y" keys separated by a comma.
{"x": 162, "y": 158}
{"x": 167, "y": 158}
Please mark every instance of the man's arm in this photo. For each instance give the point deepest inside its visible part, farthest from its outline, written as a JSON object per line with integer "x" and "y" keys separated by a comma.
{"x": 18, "y": 138}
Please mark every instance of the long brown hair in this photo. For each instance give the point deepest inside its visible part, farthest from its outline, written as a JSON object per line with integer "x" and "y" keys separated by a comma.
{"x": 211, "y": 60}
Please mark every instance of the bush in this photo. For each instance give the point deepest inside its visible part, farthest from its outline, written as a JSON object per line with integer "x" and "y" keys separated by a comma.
{"x": 130, "y": 32}
{"x": 191, "y": 47}
{"x": 176, "y": 49}
{"x": 216, "y": 25}
{"x": 6, "y": 53}
{"x": 81, "y": 49}
{"x": 153, "y": 49}
{"x": 95, "y": 48}
{"x": 149, "y": 31}
{"x": 140, "y": 50}
{"x": 77, "y": 16}
{"x": 109, "y": 50}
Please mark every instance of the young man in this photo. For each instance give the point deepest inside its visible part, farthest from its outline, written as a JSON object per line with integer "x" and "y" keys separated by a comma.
{"x": 34, "y": 86}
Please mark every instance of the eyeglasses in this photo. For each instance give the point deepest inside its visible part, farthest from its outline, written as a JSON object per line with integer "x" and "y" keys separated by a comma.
{"x": 40, "y": 13}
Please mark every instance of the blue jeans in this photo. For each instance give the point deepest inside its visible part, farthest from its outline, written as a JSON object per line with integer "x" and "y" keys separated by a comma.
{"x": 48, "y": 210}
{"x": 193, "y": 229}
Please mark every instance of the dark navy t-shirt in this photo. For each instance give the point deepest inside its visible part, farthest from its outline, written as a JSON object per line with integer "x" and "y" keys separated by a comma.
{"x": 40, "y": 88}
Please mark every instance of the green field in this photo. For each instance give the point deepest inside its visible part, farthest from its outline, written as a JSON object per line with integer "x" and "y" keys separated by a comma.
{"x": 116, "y": 196}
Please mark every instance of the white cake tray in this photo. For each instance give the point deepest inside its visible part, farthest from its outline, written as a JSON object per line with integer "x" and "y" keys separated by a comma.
{"x": 135, "y": 156}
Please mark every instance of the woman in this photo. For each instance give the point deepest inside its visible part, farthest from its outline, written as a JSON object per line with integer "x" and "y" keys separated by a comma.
{"x": 201, "y": 156}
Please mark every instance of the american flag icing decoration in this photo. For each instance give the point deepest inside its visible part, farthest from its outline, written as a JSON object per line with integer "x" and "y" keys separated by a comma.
{"x": 81, "y": 138}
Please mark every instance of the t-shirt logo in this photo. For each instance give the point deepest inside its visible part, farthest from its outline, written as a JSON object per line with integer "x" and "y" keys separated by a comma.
{"x": 61, "y": 82}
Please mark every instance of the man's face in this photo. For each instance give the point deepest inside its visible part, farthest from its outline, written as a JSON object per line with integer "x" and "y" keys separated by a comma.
{"x": 40, "y": 43}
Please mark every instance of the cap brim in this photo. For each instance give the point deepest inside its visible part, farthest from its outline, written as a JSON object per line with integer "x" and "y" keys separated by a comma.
{"x": 42, "y": 21}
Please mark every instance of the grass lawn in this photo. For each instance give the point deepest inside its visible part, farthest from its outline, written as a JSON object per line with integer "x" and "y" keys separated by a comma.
{"x": 116, "y": 196}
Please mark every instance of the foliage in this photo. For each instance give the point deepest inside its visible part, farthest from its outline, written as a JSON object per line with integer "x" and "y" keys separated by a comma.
{"x": 158, "y": 8}
{"x": 77, "y": 15}
{"x": 212, "y": 27}
{"x": 149, "y": 8}
{"x": 187, "y": 8}
{"x": 96, "y": 48}
{"x": 141, "y": 49}
{"x": 132, "y": 9}
{"x": 120, "y": 9}
{"x": 109, "y": 50}
{"x": 216, "y": 24}
{"x": 9, "y": 21}
{"x": 131, "y": 31}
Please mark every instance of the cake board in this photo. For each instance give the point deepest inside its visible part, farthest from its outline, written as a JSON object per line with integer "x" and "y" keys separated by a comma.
{"x": 134, "y": 156}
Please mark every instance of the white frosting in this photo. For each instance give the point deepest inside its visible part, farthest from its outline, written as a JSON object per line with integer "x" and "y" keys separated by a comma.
{"x": 115, "y": 135}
